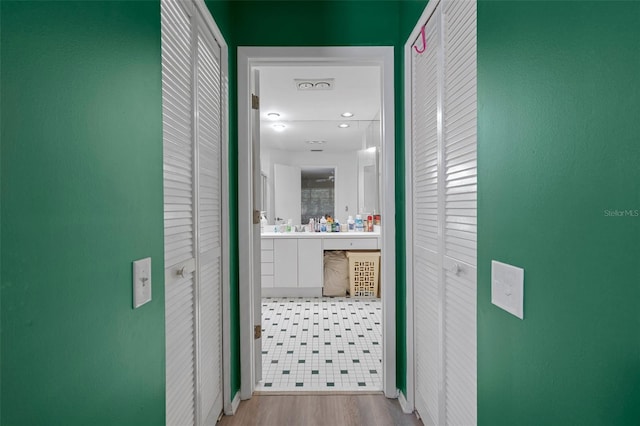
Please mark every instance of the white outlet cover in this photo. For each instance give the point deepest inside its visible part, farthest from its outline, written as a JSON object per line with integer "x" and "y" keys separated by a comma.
{"x": 141, "y": 282}
{"x": 507, "y": 288}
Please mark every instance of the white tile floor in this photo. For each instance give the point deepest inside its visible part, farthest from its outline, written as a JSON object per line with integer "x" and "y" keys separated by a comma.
{"x": 321, "y": 344}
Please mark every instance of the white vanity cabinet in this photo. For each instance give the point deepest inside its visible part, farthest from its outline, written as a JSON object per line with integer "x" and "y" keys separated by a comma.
{"x": 285, "y": 262}
{"x": 293, "y": 264}
{"x": 310, "y": 262}
{"x": 363, "y": 243}
{"x": 267, "y": 262}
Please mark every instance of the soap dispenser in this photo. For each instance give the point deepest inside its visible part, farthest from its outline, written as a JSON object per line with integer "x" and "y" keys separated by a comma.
{"x": 351, "y": 224}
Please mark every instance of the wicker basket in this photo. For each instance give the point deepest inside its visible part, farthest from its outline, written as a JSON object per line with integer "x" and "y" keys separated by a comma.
{"x": 364, "y": 267}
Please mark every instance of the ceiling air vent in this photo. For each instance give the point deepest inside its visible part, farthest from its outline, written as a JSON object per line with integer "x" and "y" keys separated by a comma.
{"x": 314, "y": 84}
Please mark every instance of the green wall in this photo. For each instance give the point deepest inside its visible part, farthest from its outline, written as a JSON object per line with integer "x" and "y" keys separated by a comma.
{"x": 81, "y": 175}
{"x": 559, "y": 146}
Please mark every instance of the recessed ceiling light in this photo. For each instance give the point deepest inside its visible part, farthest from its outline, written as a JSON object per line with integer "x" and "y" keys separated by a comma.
{"x": 347, "y": 114}
{"x": 273, "y": 115}
{"x": 279, "y": 127}
{"x": 343, "y": 125}
{"x": 314, "y": 83}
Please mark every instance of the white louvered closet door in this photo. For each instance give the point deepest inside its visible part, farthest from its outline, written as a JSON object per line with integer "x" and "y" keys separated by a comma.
{"x": 209, "y": 186}
{"x": 444, "y": 216}
{"x": 179, "y": 206}
{"x": 192, "y": 195}
{"x": 460, "y": 196}
{"x": 426, "y": 134}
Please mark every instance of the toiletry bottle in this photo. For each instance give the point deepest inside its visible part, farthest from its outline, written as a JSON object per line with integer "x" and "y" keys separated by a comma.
{"x": 312, "y": 226}
{"x": 359, "y": 223}
{"x": 263, "y": 222}
{"x": 370, "y": 223}
{"x": 289, "y": 225}
{"x": 336, "y": 226}
{"x": 323, "y": 224}
{"x": 351, "y": 224}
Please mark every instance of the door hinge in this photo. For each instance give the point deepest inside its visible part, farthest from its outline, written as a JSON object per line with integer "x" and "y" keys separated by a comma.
{"x": 256, "y": 217}
{"x": 255, "y": 102}
{"x": 257, "y": 331}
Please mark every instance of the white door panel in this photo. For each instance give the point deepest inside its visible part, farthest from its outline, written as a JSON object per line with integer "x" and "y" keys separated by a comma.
{"x": 257, "y": 240}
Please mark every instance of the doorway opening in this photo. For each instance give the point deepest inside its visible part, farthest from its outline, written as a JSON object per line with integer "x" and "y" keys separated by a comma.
{"x": 339, "y": 145}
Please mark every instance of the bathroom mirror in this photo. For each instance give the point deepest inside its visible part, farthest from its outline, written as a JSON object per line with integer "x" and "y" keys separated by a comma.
{"x": 368, "y": 181}
{"x": 303, "y": 131}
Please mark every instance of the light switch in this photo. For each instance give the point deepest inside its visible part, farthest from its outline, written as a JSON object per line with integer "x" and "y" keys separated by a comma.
{"x": 507, "y": 288}
{"x": 141, "y": 282}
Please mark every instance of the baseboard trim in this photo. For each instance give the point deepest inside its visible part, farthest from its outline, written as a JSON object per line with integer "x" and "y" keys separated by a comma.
{"x": 234, "y": 405}
{"x": 404, "y": 404}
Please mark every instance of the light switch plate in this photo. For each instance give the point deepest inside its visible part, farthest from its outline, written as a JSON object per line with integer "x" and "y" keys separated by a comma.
{"x": 507, "y": 288}
{"x": 141, "y": 282}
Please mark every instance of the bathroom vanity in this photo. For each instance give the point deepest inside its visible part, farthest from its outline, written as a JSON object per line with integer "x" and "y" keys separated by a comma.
{"x": 292, "y": 263}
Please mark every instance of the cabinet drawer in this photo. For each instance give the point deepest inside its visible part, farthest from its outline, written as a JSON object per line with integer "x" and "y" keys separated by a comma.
{"x": 267, "y": 256}
{"x": 267, "y": 269}
{"x": 266, "y": 243}
{"x": 350, "y": 243}
{"x": 267, "y": 281}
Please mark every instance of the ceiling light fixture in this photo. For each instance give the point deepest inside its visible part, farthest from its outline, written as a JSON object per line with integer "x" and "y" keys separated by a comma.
{"x": 347, "y": 114}
{"x": 273, "y": 115}
{"x": 314, "y": 83}
{"x": 316, "y": 142}
{"x": 343, "y": 125}
{"x": 279, "y": 127}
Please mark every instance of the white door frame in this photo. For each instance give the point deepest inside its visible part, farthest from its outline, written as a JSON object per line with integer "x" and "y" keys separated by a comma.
{"x": 249, "y": 57}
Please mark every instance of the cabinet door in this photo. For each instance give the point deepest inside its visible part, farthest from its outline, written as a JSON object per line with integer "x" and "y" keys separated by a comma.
{"x": 310, "y": 262}
{"x": 285, "y": 262}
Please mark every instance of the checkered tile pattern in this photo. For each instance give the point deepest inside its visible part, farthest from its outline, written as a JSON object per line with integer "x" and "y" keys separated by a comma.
{"x": 322, "y": 343}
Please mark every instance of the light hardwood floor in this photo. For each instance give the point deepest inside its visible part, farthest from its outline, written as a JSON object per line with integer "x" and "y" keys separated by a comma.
{"x": 320, "y": 410}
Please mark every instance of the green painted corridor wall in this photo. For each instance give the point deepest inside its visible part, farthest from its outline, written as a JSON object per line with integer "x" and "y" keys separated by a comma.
{"x": 558, "y": 152}
{"x": 81, "y": 154}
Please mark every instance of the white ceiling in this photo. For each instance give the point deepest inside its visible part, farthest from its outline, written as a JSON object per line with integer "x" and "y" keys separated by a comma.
{"x": 315, "y": 114}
